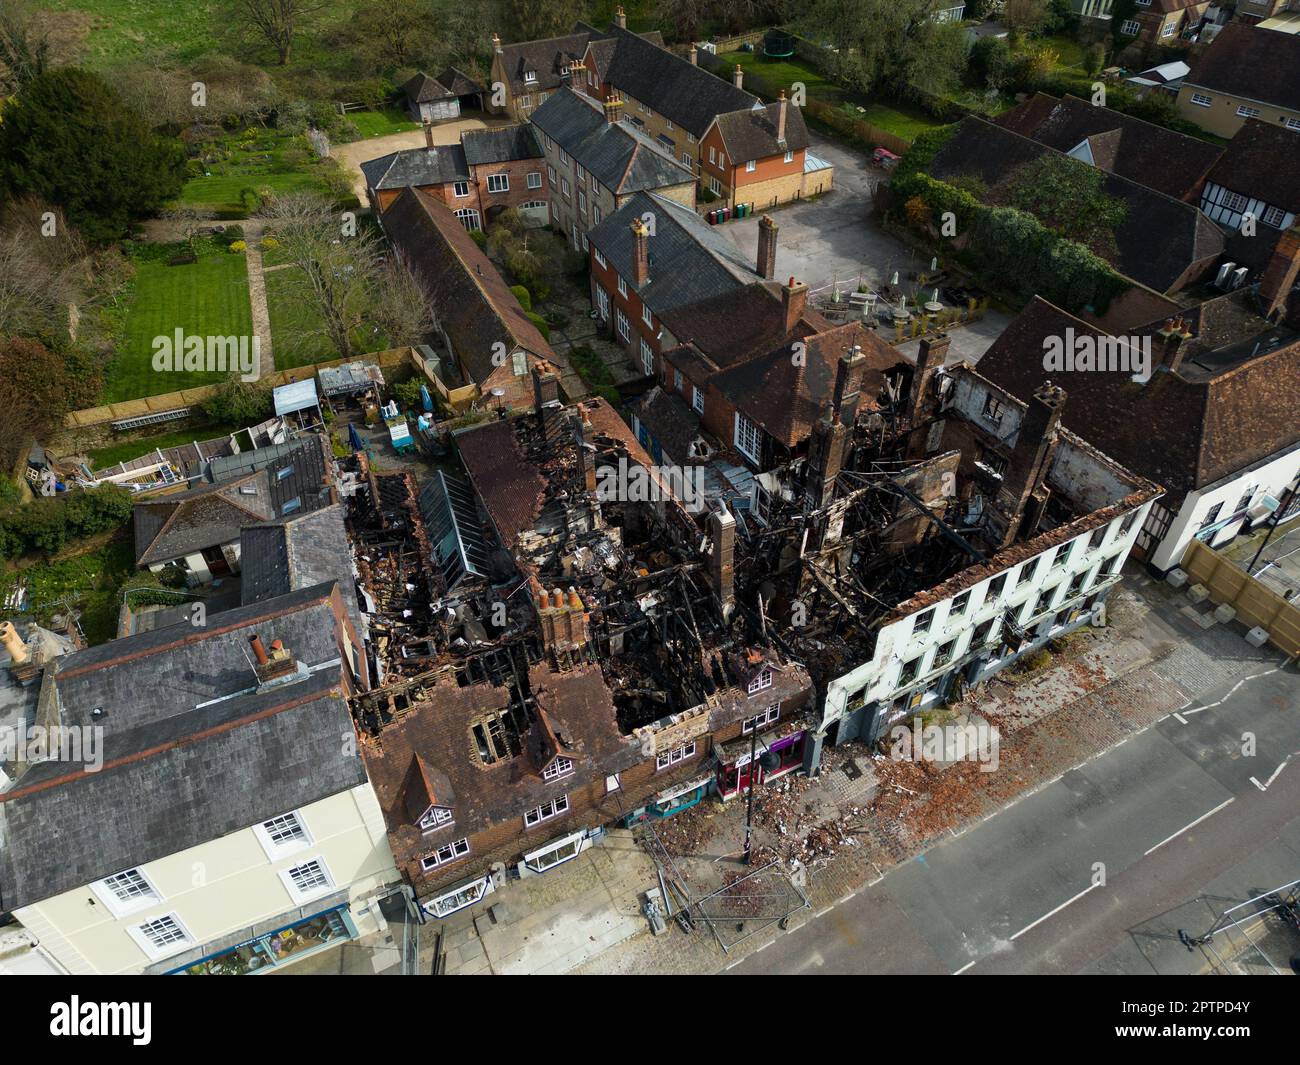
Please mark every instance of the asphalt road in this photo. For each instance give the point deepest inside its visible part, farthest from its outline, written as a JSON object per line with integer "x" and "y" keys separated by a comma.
{"x": 1096, "y": 871}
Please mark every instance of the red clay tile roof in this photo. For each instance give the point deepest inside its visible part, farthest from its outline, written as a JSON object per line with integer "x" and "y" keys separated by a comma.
{"x": 512, "y": 488}
{"x": 1252, "y": 164}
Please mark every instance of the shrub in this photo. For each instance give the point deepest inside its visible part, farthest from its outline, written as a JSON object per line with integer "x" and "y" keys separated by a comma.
{"x": 540, "y": 322}
{"x": 521, "y": 294}
{"x": 407, "y": 393}
{"x": 238, "y": 246}
{"x": 47, "y": 524}
{"x": 239, "y": 402}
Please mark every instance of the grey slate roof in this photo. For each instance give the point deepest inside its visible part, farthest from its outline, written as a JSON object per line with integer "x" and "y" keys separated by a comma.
{"x": 689, "y": 259}
{"x": 546, "y": 58}
{"x": 192, "y": 750}
{"x": 751, "y": 134}
{"x": 687, "y": 94}
{"x": 423, "y": 89}
{"x": 417, "y": 167}
{"x": 504, "y": 144}
{"x": 623, "y": 160}
{"x": 458, "y": 83}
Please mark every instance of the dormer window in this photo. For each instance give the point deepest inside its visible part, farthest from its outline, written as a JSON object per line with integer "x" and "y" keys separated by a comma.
{"x": 530, "y": 76}
{"x": 762, "y": 681}
{"x": 435, "y": 817}
{"x": 559, "y": 767}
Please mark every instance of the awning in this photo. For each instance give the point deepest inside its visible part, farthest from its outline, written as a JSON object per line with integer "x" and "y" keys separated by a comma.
{"x": 300, "y": 395}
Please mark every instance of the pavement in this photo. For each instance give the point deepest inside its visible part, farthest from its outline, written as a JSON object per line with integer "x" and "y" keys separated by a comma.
{"x": 354, "y": 153}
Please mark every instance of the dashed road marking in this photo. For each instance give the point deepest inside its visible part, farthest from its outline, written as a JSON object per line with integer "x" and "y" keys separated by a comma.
{"x": 1203, "y": 816}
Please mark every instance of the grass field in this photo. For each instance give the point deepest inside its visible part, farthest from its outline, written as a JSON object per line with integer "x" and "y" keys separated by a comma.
{"x": 257, "y": 159}
{"x": 123, "y": 31}
{"x": 382, "y": 123}
{"x": 900, "y": 119}
{"x": 295, "y": 334}
{"x": 207, "y": 298}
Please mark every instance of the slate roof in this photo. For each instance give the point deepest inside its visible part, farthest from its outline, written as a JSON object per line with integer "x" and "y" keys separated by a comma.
{"x": 423, "y": 89}
{"x": 546, "y": 57}
{"x": 470, "y": 298}
{"x": 751, "y": 133}
{"x": 689, "y": 259}
{"x": 458, "y": 83}
{"x": 299, "y": 551}
{"x": 1251, "y": 63}
{"x": 192, "y": 751}
{"x": 417, "y": 167}
{"x": 1252, "y": 164}
{"x": 672, "y": 423}
{"x": 785, "y": 398}
{"x": 1160, "y": 238}
{"x": 1219, "y": 413}
{"x": 209, "y": 515}
{"x": 622, "y": 159}
{"x": 688, "y": 95}
{"x": 502, "y": 144}
{"x": 510, "y": 485}
{"x": 1158, "y": 158}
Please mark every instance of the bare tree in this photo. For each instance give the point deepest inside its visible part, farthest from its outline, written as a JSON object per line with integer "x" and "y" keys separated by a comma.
{"x": 274, "y": 21}
{"x": 42, "y": 266}
{"x": 401, "y": 308}
{"x": 24, "y": 46}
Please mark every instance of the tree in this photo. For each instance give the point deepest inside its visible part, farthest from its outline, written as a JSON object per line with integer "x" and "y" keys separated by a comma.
{"x": 400, "y": 307}
{"x": 395, "y": 33}
{"x": 275, "y": 22}
{"x": 1069, "y": 197}
{"x": 37, "y": 388}
{"x": 891, "y": 46}
{"x": 68, "y": 138}
{"x": 990, "y": 62}
{"x": 239, "y": 402}
{"x": 42, "y": 270}
{"x": 1024, "y": 17}
{"x": 530, "y": 20}
{"x": 24, "y": 47}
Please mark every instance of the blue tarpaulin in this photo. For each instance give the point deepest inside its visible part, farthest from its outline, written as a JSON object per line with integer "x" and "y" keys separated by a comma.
{"x": 425, "y": 398}
{"x": 354, "y": 438}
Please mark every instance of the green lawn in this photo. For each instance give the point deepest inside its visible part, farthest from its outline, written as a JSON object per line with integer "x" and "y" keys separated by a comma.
{"x": 267, "y": 159}
{"x": 382, "y": 123}
{"x": 127, "y": 450}
{"x": 295, "y": 328}
{"x": 93, "y": 581}
{"x": 126, "y": 30}
{"x": 207, "y": 298}
{"x": 765, "y": 76}
{"x": 1069, "y": 52}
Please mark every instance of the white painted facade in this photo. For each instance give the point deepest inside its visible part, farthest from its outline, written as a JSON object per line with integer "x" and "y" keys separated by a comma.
{"x": 231, "y": 886}
{"x": 1227, "y": 207}
{"x": 1221, "y": 510}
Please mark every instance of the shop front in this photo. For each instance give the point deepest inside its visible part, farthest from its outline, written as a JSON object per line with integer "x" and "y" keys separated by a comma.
{"x": 671, "y": 801}
{"x": 457, "y": 898}
{"x": 277, "y": 948}
{"x": 773, "y": 756}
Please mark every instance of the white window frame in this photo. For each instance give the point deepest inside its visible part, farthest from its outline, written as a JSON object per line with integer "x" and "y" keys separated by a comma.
{"x": 299, "y": 895}
{"x": 274, "y": 850}
{"x": 772, "y": 713}
{"x": 1291, "y": 123}
{"x": 789, "y": 157}
{"x": 600, "y": 259}
{"x": 152, "y": 950}
{"x": 436, "y": 817}
{"x": 621, "y": 324}
{"x": 530, "y": 77}
{"x": 1169, "y": 29}
{"x": 647, "y": 357}
{"x": 559, "y": 767}
{"x": 646, "y": 316}
{"x": 715, "y": 186}
{"x": 751, "y": 166}
{"x": 1246, "y": 111}
{"x": 547, "y": 811}
{"x": 457, "y": 187}
{"x": 534, "y": 179}
{"x": 468, "y": 214}
{"x": 502, "y": 183}
{"x": 550, "y": 173}
{"x": 667, "y": 759}
{"x": 613, "y": 782}
{"x": 564, "y": 157}
{"x": 565, "y": 188}
{"x": 120, "y": 907}
{"x": 622, "y": 287}
{"x": 1272, "y": 216}
{"x": 690, "y": 137}
{"x": 743, "y": 431}
{"x": 1200, "y": 99}
{"x": 602, "y": 303}
{"x": 697, "y": 400}
{"x": 713, "y": 155}
{"x": 536, "y": 860}
{"x": 761, "y": 682}
{"x": 1131, "y": 28}
{"x": 595, "y": 213}
{"x": 456, "y": 850}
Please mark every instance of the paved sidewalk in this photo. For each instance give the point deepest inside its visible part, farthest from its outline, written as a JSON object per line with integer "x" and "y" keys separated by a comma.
{"x": 866, "y": 814}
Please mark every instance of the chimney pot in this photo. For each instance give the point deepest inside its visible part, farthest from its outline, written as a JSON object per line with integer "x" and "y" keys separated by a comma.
{"x": 13, "y": 643}
{"x": 259, "y": 652}
{"x": 767, "y": 230}
{"x": 738, "y": 77}
{"x": 620, "y": 19}
{"x": 695, "y": 56}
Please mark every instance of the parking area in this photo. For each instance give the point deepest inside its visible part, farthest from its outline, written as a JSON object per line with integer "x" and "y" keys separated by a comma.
{"x": 833, "y": 242}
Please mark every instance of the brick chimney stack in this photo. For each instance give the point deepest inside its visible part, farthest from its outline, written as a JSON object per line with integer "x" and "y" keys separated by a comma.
{"x": 613, "y": 108}
{"x": 1020, "y": 501}
{"x": 848, "y": 384}
{"x": 767, "y": 231}
{"x": 565, "y": 621}
{"x": 695, "y": 56}
{"x": 722, "y": 558}
{"x": 428, "y": 134}
{"x": 546, "y": 395}
{"x": 929, "y": 359}
{"x": 496, "y": 44}
{"x": 640, "y": 252}
{"x": 620, "y": 18}
{"x": 794, "y": 298}
{"x": 826, "y": 448}
{"x": 1173, "y": 339}
{"x": 738, "y": 77}
{"x": 781, "y": 104}
{"x": 1280, "y": 274}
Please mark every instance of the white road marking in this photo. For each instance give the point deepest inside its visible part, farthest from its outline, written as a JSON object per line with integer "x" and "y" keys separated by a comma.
{"x": 965, "y": 967}
{"x": 1053, "y": 913}
{"x": 1220, "y": 702}
{"x": 1179, "y": 718}
{"x": 1203, "y": 816}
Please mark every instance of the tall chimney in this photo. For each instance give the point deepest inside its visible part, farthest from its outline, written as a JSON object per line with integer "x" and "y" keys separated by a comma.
{"x": 640, "y": 253}
{"x": 695, "y": 56}
{"x": 781, "y": 105}
{"x": 1280, "y": 274}
{"x": 794, "y": 297}
{"x": 259, "y": 652}
{"x": 546, "y": 392}
{"x": 738, "y": 77}
{"x": 722, "y": 558}
{"x": 1173, "y": 343}
{"x": 848, "y": 384}
{"x": 613, "y": 108}
{"x": 767, "y": 230}
{"x": 428, "y": 134}
{"x": 1027, "y": 471}
{"x": 620, "y": 19}
{"x": 13, "y": 643}
{"x": 826, "y": 448}
{"x": 496, "y": 44}
{"x": 928, "y": 361}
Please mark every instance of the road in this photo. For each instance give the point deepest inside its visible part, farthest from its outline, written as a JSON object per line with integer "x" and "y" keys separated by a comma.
{"x": 1096, "y": 871}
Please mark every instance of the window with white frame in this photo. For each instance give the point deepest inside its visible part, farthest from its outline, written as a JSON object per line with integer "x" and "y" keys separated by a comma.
{"x": 1234, "y": 201}
{"x": 602, "y": 303}
{"x": 748, "y": 438}
{"x": 535, "y": 179}
{"x": 671, "y": 758}
{"x": 1130, "y": 28}
{"x": 435, "y": 817}
{"x": 769, "y": 715}
{"x": 1248, "y": 112}
{"x": 789, "y": 157}
{"x": 595, "y": 215}
{"x": 713, "y": 155}
{"x": 565, "y": 188}
{"x": 126, "y": 892}
{"x": 546, "y": 811}
{"x": 1273, "y": 216}
{"x": 564, "y": 157}
{"x": 550, "y": 173}
{"x": 751, "y": 166}
{"x": 461, "y": 189}
{"x": 690, "y": 138}
{"x": 582, "y": 203}
{"x": 283, "y": 835}
{"x": 1200, "y": 99}
{"x": 559, "y": 767}
{"x": 449, "y": 852}
{"x": 647, "y": 357}
{"x": 761, "y": 682}
{"x": 1291, "y": 123}
{"x": 715, "y": 186}
{"x": 622, "y": 287}
{"x": 1169, "y": 29}
{"x": 621, "y": 324}
{"x": 161, "y": 936}
{"x": 525, "y": 101}
{"x": 612, "y": 783}
{"x": 307, "y": 880}
{"x": 697, "y": 401}
{"x": 646, "y": 316}
{"x": 600, "y": 259}
{"x": 468, "y": 218}
{"x": 530, "y": 77}
{"x": 532, "y": 203}
{"x": 552, "y": 855}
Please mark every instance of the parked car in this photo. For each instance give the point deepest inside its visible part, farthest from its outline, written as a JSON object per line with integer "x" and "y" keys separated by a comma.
{"x": 884, "y": 158}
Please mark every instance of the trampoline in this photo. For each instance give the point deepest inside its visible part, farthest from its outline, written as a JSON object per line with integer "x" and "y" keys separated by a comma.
{"x": 777, "y": 44}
